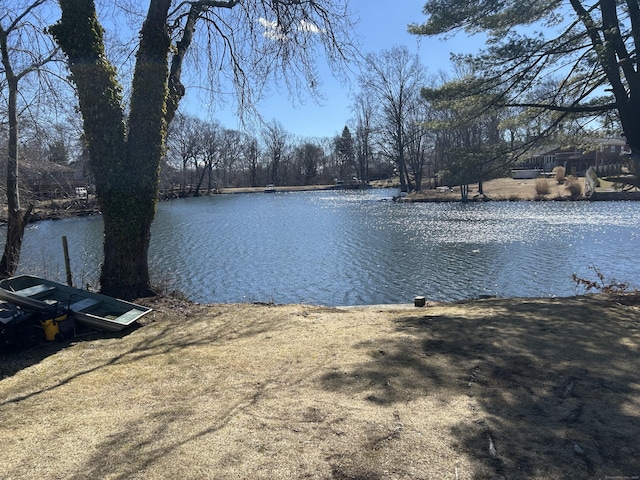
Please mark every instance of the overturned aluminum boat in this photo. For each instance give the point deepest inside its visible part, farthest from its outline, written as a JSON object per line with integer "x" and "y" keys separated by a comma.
{"x": 91, "y": 309}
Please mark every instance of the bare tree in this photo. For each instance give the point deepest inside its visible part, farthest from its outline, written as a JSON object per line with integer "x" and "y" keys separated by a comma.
{"x": 24, "y": 50}
{"x": 276, "y": 148}
{"x": 185, "y": 144}
{"x": 252, "y": 158}
{"x": 363, "y": 133}
{"x": 231, "y": 150}
{"x": 308, "y": 158}
{"x": 418, "y": 139}
{"x": 393, "y": 78}
{"x": 210, "y": 138}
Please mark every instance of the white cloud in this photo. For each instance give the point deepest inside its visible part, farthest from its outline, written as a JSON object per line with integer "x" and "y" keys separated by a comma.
{"x": 308, "y": 27}
{"x": 268, "y": 24}
{"x": 273, "y": 31}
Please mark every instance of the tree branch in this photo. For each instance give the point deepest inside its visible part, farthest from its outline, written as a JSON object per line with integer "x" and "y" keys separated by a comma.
{"x": 176, "y": 88}
{"x": 565, "y": 108}
{"x": 36, "y": 65}
{"x": 604, "y": 51}
{"x": 613, "y": 37}
{"x": 634, "y": 16}
{"x": 203, "y": 4}
{"x": 26, "y": 12}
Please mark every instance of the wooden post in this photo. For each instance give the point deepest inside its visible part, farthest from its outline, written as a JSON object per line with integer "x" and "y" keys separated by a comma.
{"x": 67, "y": 261}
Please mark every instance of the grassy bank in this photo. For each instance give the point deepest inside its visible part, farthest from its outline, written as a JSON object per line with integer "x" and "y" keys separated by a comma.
{"x": 512, "y": 388}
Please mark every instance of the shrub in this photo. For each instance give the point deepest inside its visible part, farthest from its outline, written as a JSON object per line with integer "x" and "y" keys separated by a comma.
{"x": 593, "y": 176}
{"x": 574, "y": 187}
{"x": 542, "y": 186}
{"x": 601, "y": 284}
{"x": 560, "y": 173}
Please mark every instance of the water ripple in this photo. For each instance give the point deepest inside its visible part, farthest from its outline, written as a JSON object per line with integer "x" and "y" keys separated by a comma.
{"x": 350, "y": 248}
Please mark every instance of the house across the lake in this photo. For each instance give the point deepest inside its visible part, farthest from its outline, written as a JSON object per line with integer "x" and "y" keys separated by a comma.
{"x": 45, "y": 179}
{"x": 576, "y": 160}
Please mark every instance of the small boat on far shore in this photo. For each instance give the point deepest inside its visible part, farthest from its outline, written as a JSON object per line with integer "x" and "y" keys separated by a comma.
{"x": 91, "y": 309}
{"x": 271, "y": 188}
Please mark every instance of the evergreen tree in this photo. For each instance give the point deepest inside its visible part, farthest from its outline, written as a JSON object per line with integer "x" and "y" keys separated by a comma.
{"x": 587, "y": 51}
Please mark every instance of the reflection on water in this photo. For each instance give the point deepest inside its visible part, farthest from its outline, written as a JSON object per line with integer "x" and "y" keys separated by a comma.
{"x": 352, "y": 248}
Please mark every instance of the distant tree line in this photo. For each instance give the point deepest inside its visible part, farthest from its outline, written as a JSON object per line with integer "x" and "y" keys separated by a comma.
{"x": 203, "y": 157}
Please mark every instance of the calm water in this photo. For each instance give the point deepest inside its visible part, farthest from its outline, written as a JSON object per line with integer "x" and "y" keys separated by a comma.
{"x": 354, "y": 248}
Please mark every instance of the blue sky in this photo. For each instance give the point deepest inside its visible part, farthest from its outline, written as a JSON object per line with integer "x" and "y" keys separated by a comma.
{"x": 381, "y": 25}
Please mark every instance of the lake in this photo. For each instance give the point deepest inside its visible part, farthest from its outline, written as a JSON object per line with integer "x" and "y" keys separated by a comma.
{"x": 358, "y": 247}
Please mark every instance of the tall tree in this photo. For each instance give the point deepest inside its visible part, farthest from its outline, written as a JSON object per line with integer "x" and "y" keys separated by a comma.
{"x": 469, "y": 142}
{"x": 23, "y": 51}
{"x": 276, "y": 148}
{"x": 393, "y": 78}
{"x": 308, "y": 159}
{"x": 250, "y": 42}
{"x": 592, "y": 44}
{"x": 231, "y": 150}
{"x": 364, "y": 113}
{"x": 211, "y": 140}
{"x": 252, "y": 157}
{"x": 418, "y": 140}
{"x": 345, "y": 153}
{"x": 184, "y": 146}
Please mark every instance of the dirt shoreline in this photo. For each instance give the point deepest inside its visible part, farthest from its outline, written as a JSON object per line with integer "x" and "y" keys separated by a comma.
{"x": 484, "y": 389}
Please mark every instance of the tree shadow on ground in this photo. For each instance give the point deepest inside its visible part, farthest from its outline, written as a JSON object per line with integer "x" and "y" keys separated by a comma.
{"x": 142, "y": 443}
{"x": 159, "y": 338}
{"x": 15, "y": 359}
{"x": 553, "y": 385}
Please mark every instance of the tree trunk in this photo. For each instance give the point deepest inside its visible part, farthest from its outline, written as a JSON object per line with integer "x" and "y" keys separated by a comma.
{"x": 126, "y": 171}
{"x": 17, "y": 219}
{"x": 129, "y": 209}
{"x": 200, "y": 179}
{"x": 628, "y": 110}
{"x": 464, "y": 192}
{"x": 408, "y": 186}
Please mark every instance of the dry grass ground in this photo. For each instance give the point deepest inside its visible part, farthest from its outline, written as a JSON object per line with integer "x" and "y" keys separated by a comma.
{"x": 496, "y": 388}
{"x": 503, "y": 189}
{"x": 497, "y": 189}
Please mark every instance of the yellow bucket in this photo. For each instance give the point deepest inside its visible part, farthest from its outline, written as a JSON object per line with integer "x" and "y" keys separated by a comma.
{"x": 51, "y": 327}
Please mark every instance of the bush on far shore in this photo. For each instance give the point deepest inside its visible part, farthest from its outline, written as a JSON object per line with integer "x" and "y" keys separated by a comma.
{"x": 574, "y": 187}
{"x": 560, "y": 173}
{"x": 542, "y": 186}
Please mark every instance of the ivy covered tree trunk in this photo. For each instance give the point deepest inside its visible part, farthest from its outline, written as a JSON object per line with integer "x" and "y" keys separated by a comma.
{"x": 131, "y": 208}
{"x": 125, "y": 162}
